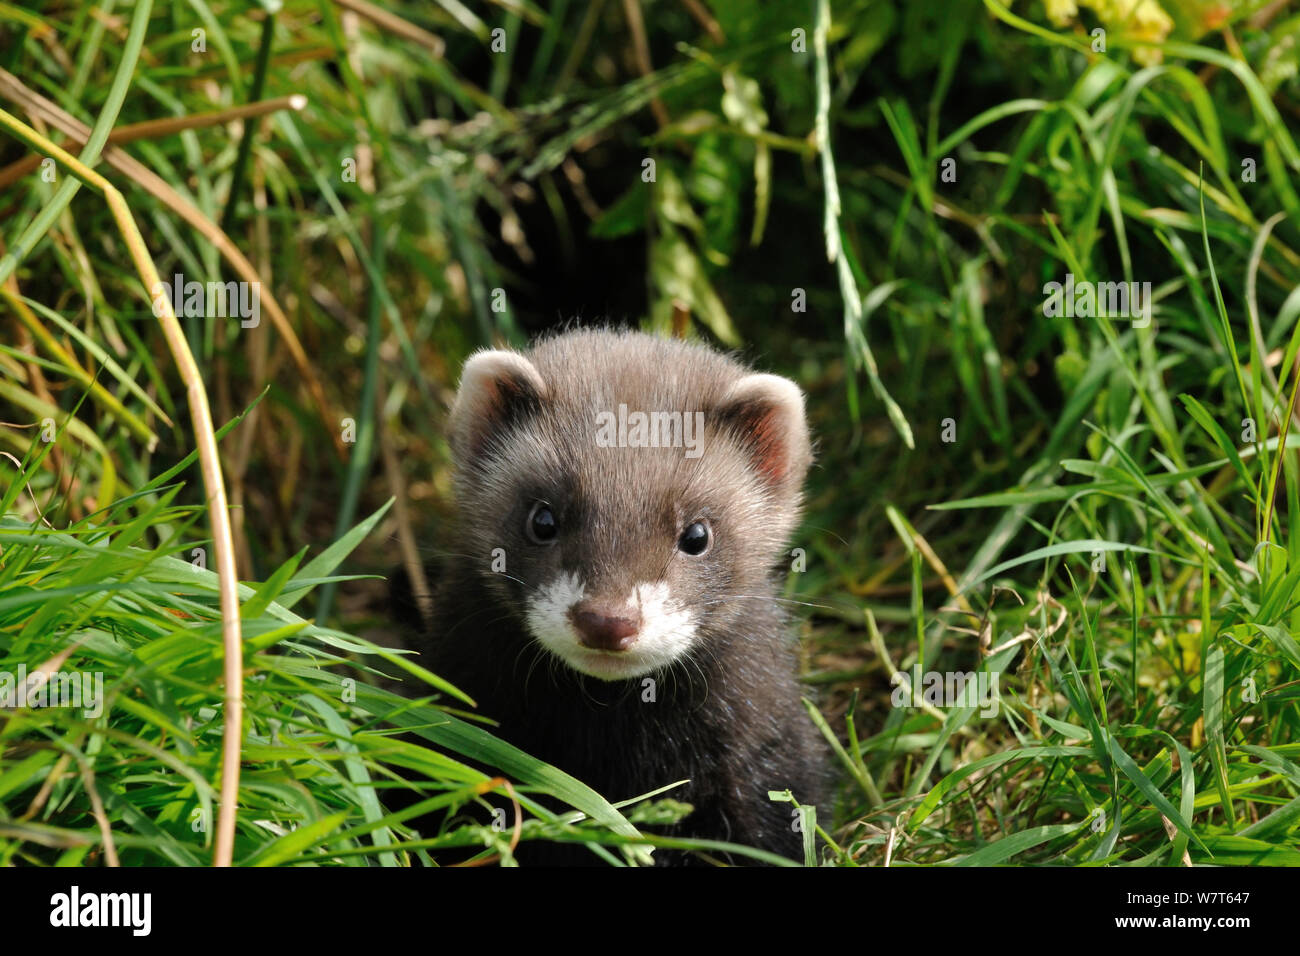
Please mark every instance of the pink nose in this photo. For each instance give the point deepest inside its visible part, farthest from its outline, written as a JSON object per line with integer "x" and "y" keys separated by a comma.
{"x": 603, "y": 631}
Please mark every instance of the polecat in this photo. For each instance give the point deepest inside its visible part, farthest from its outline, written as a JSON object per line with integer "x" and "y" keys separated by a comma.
{"x": 610, "y": 599}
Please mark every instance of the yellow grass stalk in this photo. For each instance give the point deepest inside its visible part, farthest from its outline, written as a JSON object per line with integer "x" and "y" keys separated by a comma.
{"x": 209, "y": 465}
{"x": 167, "y": 126}
{"x": 14, "y": 89}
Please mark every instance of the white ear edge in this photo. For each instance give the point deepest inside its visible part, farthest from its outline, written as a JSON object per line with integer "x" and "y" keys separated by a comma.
{"x": 773, "y": 412}
{"x": 780, "y": 393}
{"x": 488, "y": 366}
{"x": 482, "y": 383}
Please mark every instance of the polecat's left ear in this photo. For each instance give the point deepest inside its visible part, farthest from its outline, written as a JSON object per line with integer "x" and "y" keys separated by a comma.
{"x": 496, "y": 389}
{"x": 766, "y": 412}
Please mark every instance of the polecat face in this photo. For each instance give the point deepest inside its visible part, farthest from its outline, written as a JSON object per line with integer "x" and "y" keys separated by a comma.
{"x": 626, "y": 496}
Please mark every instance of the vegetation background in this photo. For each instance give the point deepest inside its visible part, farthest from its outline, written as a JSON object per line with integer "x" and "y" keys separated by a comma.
{"x": 866, "y": 195}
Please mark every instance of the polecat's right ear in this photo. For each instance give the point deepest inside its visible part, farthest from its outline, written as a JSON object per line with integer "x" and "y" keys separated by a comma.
{"x": 766, "y": 413}
{"x": 496, "y": 388}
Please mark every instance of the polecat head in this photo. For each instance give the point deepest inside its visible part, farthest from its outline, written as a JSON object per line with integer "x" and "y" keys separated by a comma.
{"x": 626, "y": 496}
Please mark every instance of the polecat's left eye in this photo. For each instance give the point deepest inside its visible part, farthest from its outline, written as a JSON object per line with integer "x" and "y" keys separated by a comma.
{"x": 541, "y": 523}
{"x": 695, "y": 539}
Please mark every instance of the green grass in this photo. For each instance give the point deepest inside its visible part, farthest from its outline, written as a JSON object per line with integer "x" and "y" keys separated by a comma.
{"x": 1112, "y": 529}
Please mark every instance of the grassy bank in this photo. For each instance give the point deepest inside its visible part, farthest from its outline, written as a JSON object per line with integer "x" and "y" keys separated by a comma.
{"x": 1095, "y": 512}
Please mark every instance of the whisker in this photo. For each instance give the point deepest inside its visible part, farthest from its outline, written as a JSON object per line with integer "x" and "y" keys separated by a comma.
{"x": 471, "y": 558}
{"x": 725, "y": 598}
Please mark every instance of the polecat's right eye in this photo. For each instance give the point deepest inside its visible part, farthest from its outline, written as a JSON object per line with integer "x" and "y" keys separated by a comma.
{"x": 695, "y": 539}
{"x": 541, "y": 526}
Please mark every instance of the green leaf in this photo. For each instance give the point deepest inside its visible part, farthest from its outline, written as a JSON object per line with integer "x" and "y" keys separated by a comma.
{"x": 270, "y": 590}
{"x": 999, "y": 851}
{"x": 1144, "y": 784}
{"x": 290, "y": 845}
{"x": 329, "y": 559}
{"x": 477, "y": 744}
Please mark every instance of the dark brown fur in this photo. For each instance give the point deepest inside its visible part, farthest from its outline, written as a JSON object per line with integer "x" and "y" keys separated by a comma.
{"x": 728, "y": 715}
